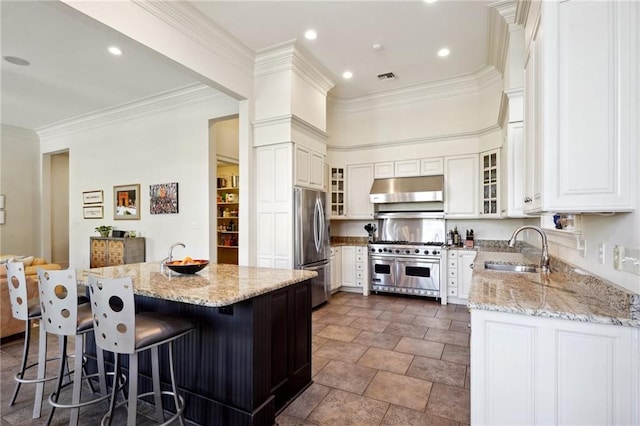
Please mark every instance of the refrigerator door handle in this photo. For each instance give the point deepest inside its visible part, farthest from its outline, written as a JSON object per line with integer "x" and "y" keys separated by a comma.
{"x": 315, "y": 225}
{"x": 320, "y": 225}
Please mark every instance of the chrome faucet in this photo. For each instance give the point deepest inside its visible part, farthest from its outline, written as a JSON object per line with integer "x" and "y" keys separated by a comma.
{"x": 544, "y": 259}
{"x": 170, "y": 257}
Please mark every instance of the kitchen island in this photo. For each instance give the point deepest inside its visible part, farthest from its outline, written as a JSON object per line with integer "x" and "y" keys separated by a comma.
{"x": 251, "y": 352}
{"x": 558, "y": 348}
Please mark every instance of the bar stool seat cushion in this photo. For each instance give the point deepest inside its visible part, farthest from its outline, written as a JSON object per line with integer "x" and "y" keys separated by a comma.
{"x": 34, "y": 308}
{"x": 85, "y": 318}
{"x": 155, "y": 327}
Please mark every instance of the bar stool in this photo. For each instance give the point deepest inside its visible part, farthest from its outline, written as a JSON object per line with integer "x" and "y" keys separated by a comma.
{"x": 23, "y": 308}
{"x": 62, "y": 316}
{"x": 120, "y": 330}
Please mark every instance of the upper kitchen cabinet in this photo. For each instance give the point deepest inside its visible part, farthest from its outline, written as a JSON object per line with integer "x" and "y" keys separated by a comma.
{"x": 359, "y": 180}
{"x": 337, "y": 193}
{"x": 406, "y": 168}
{"x": 581, "y": 105}
{"x": 461, "y": 186}
{"x": 309, "y": 168}
{"x": 490, "y": 183}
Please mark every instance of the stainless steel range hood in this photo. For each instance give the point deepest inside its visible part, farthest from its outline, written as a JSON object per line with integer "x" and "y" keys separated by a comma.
{"x": 407, "y": 189}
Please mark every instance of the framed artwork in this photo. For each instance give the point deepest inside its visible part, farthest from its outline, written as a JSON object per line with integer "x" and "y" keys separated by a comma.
{"x": 92, "y": 212}
{"x": 163, "y": 198}
{"x": 92, "y": 197}
{"x": 126, "y": 202}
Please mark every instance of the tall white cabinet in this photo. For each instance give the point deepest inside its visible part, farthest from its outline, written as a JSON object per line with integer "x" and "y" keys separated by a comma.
{"x": 581, "y": 105}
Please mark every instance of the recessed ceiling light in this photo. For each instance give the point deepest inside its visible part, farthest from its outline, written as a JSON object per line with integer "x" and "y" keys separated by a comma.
{"x": 347, "y": 75}
{"x": 115, "y": 51}
{"x": 443, "y": 52}
{"x": 310, "y": 35}
{"x": 430, "y": 1}
{"x": 377, "y": 46}
{"x": 16, "y": 61}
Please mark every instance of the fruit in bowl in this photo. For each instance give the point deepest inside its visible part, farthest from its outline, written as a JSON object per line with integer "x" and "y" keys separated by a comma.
{"x": 187, "y": 265}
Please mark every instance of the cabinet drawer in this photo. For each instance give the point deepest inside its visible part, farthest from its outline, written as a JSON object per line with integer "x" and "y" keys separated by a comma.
{"x": 453, "y": 291}
{"x": 452, "y": 264}
{"x": 359, "y": 266}
{"x": 360, "y": 283}
{"x": 360, "y": 250}
{"x": 453, "y": 254}
{"x": 452, "y": 273}
{"x": 359, "y": 274}
{"x": 452, "y": 282}
{"x": 359, "y": 258}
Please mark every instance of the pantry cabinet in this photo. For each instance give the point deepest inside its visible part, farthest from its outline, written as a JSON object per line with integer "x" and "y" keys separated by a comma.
{"x": 461, "y": 186}
{"x": 535, "y": 370}
{"x": 581, "y": 106}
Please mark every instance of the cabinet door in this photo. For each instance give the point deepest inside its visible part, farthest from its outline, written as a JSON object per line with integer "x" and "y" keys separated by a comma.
{"x": 98, "y": 253}
{"x": 303, "y": 173}
{"x": 115, "y": 252}
{"x": 337, "y": 192}
{"x": 349, "y": 266}
{"x": 338, "y": 267}
{"x": 490, "y": 183}
{"x": 431, "y": 166}
{"x": 461, "y": 186}
{"x": 383, "y": 170}
{"x": 316, "y": 177}
{"x": 514, "y": 182}
{"x": 407, "y": 168}
{"x": 359, "y": 180}
{"x": 465, "y": 272}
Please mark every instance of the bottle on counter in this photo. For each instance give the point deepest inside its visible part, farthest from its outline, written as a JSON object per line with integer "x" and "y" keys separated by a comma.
{"x": 469, "y": 240}
{"x": 456, "y": 237}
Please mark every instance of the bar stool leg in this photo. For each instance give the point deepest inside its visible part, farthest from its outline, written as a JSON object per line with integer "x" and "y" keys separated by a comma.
{"x": 23, "y": 365}
{"x": 176, "y": 398}
{"x": 63, "y": 361}
{"x": 77, "y": 379}
{"x": 42, "y": 371}
{"x": 133, "y": 390}
{"x": 157, "y": 390}
{"x": 116, "y": 384}
{"x": 102, "y": 375}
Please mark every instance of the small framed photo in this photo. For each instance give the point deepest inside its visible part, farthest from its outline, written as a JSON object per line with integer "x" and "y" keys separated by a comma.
{"x": 93, "y": 197}
{"x": 126, "y": 202}
{"x": 163, "y": 198}
{"x": 92, "y": 212}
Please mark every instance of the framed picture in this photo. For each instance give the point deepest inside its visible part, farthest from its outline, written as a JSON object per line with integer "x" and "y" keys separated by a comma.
{"x": 163, "y": 198}
{"x": 92, "y": 197}
{"x": 126, "y": 202}
{"x": 92, "y": 212}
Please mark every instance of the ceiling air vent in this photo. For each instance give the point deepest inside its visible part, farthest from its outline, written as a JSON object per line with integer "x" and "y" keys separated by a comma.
{"x": 386, "y": 76}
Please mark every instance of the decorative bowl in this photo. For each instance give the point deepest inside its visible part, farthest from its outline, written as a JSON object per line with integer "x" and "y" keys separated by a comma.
{"x": 193, "y": 266}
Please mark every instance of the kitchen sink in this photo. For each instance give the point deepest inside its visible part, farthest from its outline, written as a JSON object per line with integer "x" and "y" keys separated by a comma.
{"x": 510, "y": 267}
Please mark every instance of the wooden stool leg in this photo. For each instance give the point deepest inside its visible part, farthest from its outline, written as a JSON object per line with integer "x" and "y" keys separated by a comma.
{"x": 133, "y": 390}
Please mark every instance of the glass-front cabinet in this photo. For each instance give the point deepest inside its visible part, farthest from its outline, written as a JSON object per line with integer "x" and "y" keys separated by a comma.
{"x": 490, "y": 195}
{"x": 336, "y": 191}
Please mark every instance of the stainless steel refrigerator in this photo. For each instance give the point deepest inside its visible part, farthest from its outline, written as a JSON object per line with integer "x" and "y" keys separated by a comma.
{"x": 311, "y": 241}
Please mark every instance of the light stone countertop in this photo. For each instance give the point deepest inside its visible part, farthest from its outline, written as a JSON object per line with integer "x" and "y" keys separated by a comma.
{"x": 567, "y": 295}
{"x": 216, "y": 285}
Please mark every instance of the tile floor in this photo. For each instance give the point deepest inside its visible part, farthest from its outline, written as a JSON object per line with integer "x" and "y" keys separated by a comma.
{"x": 377, "y": 360}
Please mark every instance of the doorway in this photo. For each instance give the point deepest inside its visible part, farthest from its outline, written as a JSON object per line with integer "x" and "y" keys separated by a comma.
{"x": 59, "y": 205}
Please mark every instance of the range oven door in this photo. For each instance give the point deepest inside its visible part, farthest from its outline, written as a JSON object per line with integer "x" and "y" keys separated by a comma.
{"x": 382, "y": 272}
{"x": 423, "y": 275}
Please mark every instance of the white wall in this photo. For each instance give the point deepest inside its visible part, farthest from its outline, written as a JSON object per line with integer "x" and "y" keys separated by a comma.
{"x": 168, "y": 144}
{"x": 19, "y": 171}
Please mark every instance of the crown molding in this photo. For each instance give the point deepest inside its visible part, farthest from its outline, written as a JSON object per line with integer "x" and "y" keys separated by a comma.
{"x": 188, "y": 20}
{"x": 295, "y": 123}
{"x": 7, "y": 130}
{"x": 164, "y": 101}
{"x": 522, "y": 11}
{"x": 415, "y": 141}
{"x": 462, "y": 85}
{"x": 290, "y": 56}
{"x": 498, "y": 34}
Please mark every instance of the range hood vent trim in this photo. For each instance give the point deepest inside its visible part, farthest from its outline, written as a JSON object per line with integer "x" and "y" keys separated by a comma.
{"x": 407, "y": 189}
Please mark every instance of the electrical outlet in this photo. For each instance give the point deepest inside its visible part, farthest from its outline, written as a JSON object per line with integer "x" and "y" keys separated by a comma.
{"x": 601, "y": 252}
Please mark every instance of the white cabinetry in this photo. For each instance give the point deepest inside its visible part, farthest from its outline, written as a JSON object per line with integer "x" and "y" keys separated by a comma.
{"x": 515, "y": 165}
{"x": 490, "y": 183}
{"x": 459, "y": 273}
{"x": 336, "y": 192}
{"x": 383, "y": 170}
{"x": 415, "y": 167}
{"x": 431, "y": 166}
{"x": 309, "y": 168}
{"x": 359, "y": 180}
{"x": 355, "y": 269}
{"x": 461, "y": 186}
{"x": 407, "y": 168}
{"x": 534, "y": 370}
{"x": 581, "y": 106}
{"x": 335, "y": 257}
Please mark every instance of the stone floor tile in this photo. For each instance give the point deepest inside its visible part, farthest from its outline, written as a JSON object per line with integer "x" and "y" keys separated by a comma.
{"x": 446, "y": 336}
{"x": 462, "y": 326}
{"x": 337, "y": 332}
{"x": 467, "y": 380}
{"x": 304, "y": 404}
{"x": 377, "y": 340}
{"x": 425, "y": 311}
{"x": 336, "y": 319}
{"x": 437, "y": 371}
{"x": 390, "y": 306}
{"x": 336, "y": 309}
{"x": 400, "y": 390}
{"x": 382, "y": 359}
{"x": 430, "y": 322}
{"x": 401, "y": 416}
{"x": 453, "y": 315}
{"x": 316, "y": 327}
{"x": 449, "y": 402}
{"x": 317, "y": 363}
{"x": 370, "y": 324}
{"x": 341, "y": 351}
{"x": 420, "y": 347}
{"x": 344, "y": 408}
{"x": 317, "y": 342}
{"x": 284, "y": 420}
{"x": 397, "y": 317}
{"x": 346, "y": 376}
{"x": 457, "y": 354}
{"x": 364, "y": 312}
{"x": 361, "y": 303}
{"x": 462, "y": 308}
{"x": 408, "y": 330}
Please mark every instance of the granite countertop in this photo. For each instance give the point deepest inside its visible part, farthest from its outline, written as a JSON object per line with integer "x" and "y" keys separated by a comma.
{"x": 349, "y": 241}
{"x": 565, "y": 294}
{"x": 215, "y": 285}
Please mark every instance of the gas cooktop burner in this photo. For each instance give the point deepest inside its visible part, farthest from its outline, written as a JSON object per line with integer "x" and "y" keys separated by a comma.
{"x": 410, "y": 243}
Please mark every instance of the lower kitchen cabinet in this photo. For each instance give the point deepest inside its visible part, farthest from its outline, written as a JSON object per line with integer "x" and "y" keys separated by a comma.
{"x": 106, "y": 251}
{"x": 355, "y": 267}
{"x": 336, "y": 268}
{"x": 533, "y": 370}
{"x": 459, "y": 273}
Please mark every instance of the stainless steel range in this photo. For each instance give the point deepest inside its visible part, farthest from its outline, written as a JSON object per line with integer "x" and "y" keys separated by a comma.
{"x": 410, "y": 265}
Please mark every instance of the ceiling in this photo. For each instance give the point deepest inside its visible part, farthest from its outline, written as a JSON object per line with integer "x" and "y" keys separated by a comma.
{"x": 72, "y": 74}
